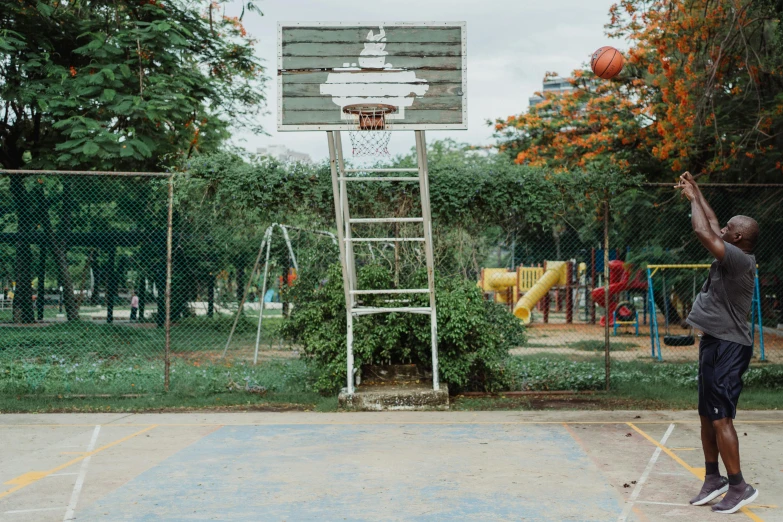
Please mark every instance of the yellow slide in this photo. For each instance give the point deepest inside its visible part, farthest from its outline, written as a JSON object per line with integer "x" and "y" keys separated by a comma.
{"x": 556, "y": 274}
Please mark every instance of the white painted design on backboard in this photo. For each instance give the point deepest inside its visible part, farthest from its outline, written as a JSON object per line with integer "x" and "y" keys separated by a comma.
{"x": 389, "y": 85}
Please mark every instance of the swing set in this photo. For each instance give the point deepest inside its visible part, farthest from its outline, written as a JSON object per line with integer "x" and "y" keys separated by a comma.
{"x": 688, "y": 340}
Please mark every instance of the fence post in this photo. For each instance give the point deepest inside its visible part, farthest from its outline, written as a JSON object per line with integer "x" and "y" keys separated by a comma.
{"x": 607, "y": 318}
{"x": 167, "y": 353}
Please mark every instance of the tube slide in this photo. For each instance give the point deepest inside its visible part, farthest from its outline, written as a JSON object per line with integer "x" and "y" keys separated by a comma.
{"x": 555, "y": 274}
{"x": 499, "y": 281}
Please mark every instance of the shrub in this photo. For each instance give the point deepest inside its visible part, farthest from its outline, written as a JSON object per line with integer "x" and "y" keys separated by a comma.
{"x": 474, "y": 335}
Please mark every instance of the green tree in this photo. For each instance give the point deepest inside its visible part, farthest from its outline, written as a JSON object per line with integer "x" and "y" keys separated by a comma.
{"x": 102, "y": 84}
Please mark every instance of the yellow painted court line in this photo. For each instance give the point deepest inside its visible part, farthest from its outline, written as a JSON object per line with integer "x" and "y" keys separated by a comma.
{"x": 31, "y": 477}
{"x": 697, "y": 472}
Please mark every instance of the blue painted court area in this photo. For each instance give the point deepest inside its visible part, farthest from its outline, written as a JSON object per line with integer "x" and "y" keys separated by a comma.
{"x": 370, "y": 472}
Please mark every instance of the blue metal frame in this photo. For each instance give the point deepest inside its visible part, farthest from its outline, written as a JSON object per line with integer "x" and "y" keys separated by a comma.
{"x": 755, "y": 318}
{"x": 654, "y": 336}
{"x": 755, "y": 313}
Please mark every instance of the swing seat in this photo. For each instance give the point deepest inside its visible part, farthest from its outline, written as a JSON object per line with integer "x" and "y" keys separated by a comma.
{"x": 678, "y": 340}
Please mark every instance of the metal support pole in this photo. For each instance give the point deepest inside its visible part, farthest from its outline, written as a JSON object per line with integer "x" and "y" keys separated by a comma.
{"x": 607, "y": 357}
{"x": 263, "y": 292}
{"x": 421, "y": 148}
{"x": 338, "y": 212}
{"x": 169, "y": 241}
{"x": 290, "y": 248}
{"x": 267, "y": 237}
{"x": 351, "y": 282}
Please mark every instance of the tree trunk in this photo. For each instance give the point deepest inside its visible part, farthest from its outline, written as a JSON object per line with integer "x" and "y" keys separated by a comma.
{"x": 111, "y": 285}
{"x": 556, "y": 232}
{"x": 23, "y": 311}
{"x": 160, "y": 285}
{"x": 240, "y": 282}
{"x": 41, "y": 282}
{"x": 60, "y": 250}
{"x": 211, "y": 296}
{"x": 142, "y": 294}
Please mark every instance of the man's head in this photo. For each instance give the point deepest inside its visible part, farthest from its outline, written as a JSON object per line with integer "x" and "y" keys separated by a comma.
{"x": 742, "y": 232}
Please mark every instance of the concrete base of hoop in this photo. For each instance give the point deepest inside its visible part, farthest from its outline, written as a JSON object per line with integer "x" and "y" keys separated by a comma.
{"x": 394, "y": 388}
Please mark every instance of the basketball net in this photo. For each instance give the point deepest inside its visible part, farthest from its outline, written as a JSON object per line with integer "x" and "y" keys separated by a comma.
{"x": 372, "y": 135}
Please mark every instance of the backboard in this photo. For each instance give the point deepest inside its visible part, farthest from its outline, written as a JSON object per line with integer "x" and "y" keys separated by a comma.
{"x": 417, "y": 67}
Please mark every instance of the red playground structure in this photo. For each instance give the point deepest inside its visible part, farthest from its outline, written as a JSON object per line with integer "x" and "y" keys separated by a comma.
{"x": 619, "y": 281}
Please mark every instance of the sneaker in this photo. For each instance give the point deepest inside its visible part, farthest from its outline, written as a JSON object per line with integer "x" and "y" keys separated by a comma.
{"x": 738, "y": 496}
{"x": 714, "y": 485}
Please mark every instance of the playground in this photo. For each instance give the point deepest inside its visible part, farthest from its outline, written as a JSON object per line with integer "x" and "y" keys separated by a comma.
{"x": 379, "y": 466}
{"x": 564, "y": 307}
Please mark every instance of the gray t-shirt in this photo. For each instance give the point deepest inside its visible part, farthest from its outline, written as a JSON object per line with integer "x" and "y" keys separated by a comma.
{"x": 723, "y": 304}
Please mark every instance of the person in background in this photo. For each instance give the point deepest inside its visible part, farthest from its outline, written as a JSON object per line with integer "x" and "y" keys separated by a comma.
{"x": 134, "y": 307}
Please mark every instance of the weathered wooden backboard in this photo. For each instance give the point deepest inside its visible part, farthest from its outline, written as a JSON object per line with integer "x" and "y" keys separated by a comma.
{"x": 417, "y": 67}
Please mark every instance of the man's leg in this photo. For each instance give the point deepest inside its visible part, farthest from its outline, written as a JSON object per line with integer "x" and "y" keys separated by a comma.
{"x": 732, "y": 365}
{"x": 727, "y": 444}
{"x": 714, "y": 484}
{"x": 709, "y": 441}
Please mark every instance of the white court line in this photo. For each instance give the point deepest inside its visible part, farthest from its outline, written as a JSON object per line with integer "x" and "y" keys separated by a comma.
{"x": 77, "y": 488}
{"x": 629, "y": 503}
{"x": 33, "y": 510}
{"x": 661, "y": 503}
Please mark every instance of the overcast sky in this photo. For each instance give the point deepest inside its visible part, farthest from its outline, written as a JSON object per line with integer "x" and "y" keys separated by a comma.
{"x": 511, "y": 44}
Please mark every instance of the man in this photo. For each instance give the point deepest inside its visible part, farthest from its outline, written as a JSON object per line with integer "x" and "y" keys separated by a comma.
{"x": 720, "y": 312}
{"x": 134, "y": 306}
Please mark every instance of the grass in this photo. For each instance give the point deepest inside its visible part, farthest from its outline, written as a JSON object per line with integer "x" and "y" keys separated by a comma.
{"x": 598, "y": 346}
{"x": 75, "y": 339}
{"x": 634, "y": 385}
{"x": 51, "y": 368}
{"x": 585, "y": 345}
{"x": 137, "y": 385}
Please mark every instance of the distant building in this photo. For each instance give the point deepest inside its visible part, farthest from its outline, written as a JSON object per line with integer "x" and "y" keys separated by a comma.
{"x": 283, "y": 153}
{"x": 555, "y": 85}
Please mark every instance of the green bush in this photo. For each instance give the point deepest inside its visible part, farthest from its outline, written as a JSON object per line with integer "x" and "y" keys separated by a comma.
{"x": 474, "y": 335}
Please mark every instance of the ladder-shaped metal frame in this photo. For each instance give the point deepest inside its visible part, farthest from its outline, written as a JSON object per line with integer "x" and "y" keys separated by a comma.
{"x": 340, "y": 179}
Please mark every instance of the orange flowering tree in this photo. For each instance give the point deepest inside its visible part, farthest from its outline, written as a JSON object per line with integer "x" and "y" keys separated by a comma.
{"x": 702, "y": 90}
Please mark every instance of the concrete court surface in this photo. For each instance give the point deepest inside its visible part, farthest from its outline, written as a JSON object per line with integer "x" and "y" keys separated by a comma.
{"x": 556, "y": 465}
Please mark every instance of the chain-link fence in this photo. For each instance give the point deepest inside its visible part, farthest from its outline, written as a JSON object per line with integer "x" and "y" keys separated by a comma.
{"x": 84, "y": 262}
{"x": 554, "y": 278}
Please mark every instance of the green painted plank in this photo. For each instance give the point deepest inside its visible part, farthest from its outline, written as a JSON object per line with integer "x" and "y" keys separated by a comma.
{"x": 299, "y": 90}
{"x": 353, "y": 49}
{"x": 319, "y": 77}
{"x": 403, "y": 62}
{"x": 332, "y": 117}
{"x": 324, "y": 103}
{"x": 450, "y": 34}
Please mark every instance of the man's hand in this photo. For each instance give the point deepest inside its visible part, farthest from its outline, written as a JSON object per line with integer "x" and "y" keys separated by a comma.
{"x": 688, "y": 189}
{"x": 686, "y": 176}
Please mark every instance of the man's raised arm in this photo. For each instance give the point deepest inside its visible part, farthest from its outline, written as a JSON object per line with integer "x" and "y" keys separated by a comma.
{"x": 708, "y": 212}
{"x": 708, "y": 236}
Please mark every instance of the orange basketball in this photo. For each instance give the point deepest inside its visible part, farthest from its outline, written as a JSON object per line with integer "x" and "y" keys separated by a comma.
{"x": 607, "y": 62}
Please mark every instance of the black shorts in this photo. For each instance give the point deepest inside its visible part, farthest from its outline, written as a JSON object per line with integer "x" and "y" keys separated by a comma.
{"x": 721, "y": 366}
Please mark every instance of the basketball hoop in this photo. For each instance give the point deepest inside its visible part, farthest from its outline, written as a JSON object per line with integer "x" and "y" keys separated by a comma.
{"x": 371, "y": 135}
